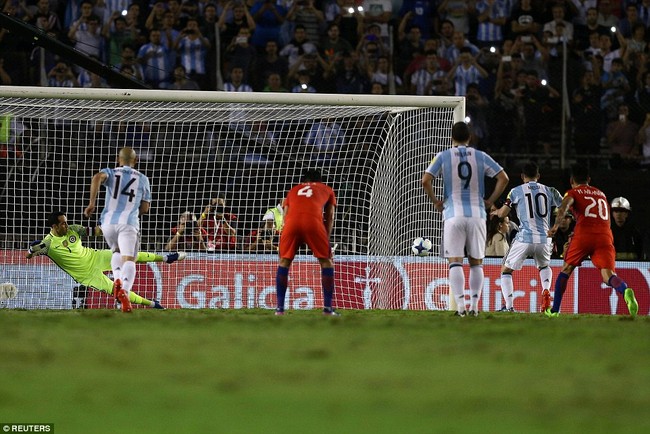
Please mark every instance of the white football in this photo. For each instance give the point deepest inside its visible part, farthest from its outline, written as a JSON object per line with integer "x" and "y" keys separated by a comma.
{"x": 8, "y": 291}
{"x": 421, "y": 246}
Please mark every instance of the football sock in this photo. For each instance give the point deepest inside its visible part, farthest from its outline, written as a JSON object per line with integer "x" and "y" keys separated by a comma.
{"x": 476, "y": 279}
{"x": 507, "y": 289}
{"x": 327, "y": 279}
{"x": 116, "y": 265}
{"x": 560, "y": 287}
{"x": 546, "y": 277}
{"x": 457, "y": 284}
{"x": 617, "y": 283}
{"x": 149, "y": 257}
{"x": 137, "y": 299}
{"x": 128, "y": 275}
{"x": 281, "y": 280}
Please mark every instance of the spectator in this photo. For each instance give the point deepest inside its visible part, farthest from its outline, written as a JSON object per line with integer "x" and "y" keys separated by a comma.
{"x": 156, "y": 16}
{"x": 233, "y": 17}
{"x": 497, "y": 243}
{"x": 168, "y": 33}
{"x": 534, "y": 56}
{"x": 383, "y": 75}
{"x": 621, "y": 135}
{"x": 477, "y": 112}
{"x": 119, "y": 35}
{"x": 241, "y": 53}
{"x": 581, "y": 9}
{"x": 615, "y": 87}
{"x": 410, "y": 46}
{"x": 156, "y": 60}
{"x": 350, "y": 21}
{"x": 268, "y": 16}
{"x": 187, "y": 235}
{"x": 582, "y": 32}
{"x": 320, "y": 73}
{"x": 643, "y": 138}
{"x": 62, "y": 76}
{"x": 303, "y": 84}
{"x": 538, "y": 101}
{"x": 349, "y": 78}
{"x": 274, "y": 83}
{"x": 128, "y": 60}
{"x": 181, "y": 81}
{"x": 333, "y": 45}
{"x": 43, "y": 17}
{"x": 585, "y": 107}
{"x": 304, "y": 13}
{"x": 625, "y": 25}
{"x": 5, "y": 78}
{"x": 466, "y": 70}
{"x": 378, "y": 12}
{"x": 326, "y": 140}
{"x": 270, "y": 63}
{"x": 236, "y": 82}
{"x": 458, "y": 42}
{"x": 628, "y": 240}
{"x": 419, "y": 13}
{"x": 559, "y": 27}
{"x": 298, "y": 46}
{"x": 218, "y": 224}
{"x": 429, "y": 79}
{"x": 191, "y": 46}
{"x": 635, "y": 44}
{"x": 456, "y": 11}
{"x": 446, "y": 34}
{"x": 504, "y": 113}
{"x": 608, "y": 54}
{"x": 644, "y": 12}
{"x": 606, "y": 15}
{"x": 525, "y": 20}
{"x": 88, "y": 39}
{"x": 492, "y": 16}
{"x": 563, "y": 235}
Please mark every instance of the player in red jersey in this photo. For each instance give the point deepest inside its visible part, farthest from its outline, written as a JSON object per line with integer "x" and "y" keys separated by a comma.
{"x": 592, "y": 237}
{"x": 308, "y": 219}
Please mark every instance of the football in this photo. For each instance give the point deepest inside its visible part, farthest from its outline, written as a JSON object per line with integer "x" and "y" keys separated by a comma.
{"x": 421, "y": 246}
{"x": 7, "y": 291}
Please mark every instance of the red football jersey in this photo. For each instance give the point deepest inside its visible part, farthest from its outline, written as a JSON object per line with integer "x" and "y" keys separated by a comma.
{"x": 307, "y": 200}
{"x": 591, "y": 209}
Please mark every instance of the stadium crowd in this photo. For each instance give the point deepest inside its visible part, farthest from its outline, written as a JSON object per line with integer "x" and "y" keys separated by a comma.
{"x": 507, "y": 57}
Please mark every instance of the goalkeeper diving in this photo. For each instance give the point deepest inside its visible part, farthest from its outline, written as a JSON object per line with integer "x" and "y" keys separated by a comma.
{"x": 85, "y": 265}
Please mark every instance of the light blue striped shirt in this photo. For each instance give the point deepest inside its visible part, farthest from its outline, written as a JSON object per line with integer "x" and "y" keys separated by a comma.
{"x": 533, "y": 202}
{"x": 463, "y": 170}
{"x": 126, "y": 188}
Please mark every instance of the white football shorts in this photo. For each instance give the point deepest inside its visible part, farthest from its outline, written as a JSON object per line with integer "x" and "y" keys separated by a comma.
{"x": 464, "y": 234}
{"x": 540, "y": 252}
{"x": 122, "y": 238}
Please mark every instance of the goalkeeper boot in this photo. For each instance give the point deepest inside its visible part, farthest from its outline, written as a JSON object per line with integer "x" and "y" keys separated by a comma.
{"x": 121, "y": 296}
{"x": 546, "y": 299}
{"x": 157, "y": 305}
{"x": 173, "y": 257}
{"x": 330, "y": 311}
{"x": 631, "y": 302}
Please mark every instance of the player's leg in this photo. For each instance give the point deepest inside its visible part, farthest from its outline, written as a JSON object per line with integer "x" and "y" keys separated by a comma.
{"x": 289, "y": 243}
{"x": 604, "y": 259}
{"x": 475, "y": 244}
{"x": 454, "y": 250}
{"x": 318, "y": 243}
{"x": 542, "y": 257}
{"x": 102, "y": 283}
{"x": 514, "y": 260}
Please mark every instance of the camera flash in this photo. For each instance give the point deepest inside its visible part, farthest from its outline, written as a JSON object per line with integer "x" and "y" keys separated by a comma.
{"x": 493, "y": 50}
{"x": 124, "y": 12}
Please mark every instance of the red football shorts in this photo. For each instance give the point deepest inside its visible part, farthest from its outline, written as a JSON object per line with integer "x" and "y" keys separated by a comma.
{"x": 599, "y": 248}
{"x": 304, "y": 231}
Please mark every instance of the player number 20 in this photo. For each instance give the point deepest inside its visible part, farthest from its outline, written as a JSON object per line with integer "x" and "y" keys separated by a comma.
{"x": 601, "y": 206}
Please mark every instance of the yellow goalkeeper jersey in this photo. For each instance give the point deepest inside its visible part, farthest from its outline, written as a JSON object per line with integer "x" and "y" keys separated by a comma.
{"x": 70, "y": 254}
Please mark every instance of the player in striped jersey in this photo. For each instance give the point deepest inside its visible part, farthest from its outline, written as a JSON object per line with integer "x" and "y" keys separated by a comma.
{"x": 128, "y": 195}
{"x": 533, "y": 202}
{"x": 463, "y": 171}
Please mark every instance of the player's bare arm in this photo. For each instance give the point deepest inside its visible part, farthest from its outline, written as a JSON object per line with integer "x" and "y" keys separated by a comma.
{"x": 427, "y": 180}
{"x": 502, "y": 183}
{"x": 503, "y": 211}
{"x": 144, "y": 207}
{"x": 561, "y": 212}
{"x": 97, "y": 181}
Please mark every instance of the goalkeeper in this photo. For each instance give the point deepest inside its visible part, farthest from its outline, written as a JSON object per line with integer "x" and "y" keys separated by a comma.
{"x": 85, "y": 265}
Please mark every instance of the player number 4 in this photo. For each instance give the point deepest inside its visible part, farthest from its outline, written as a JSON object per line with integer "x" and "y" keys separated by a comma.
{"x": 306, "y": 191}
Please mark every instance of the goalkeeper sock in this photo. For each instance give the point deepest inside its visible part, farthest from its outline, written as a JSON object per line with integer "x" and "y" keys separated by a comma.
{"x": 116, "y": 265}
{"x": 327, "y": 279}
{"x": 457, "y": 284}
{"x": 617, "y": 283}
{"x": 128, "y": 275}
{"x": 281, "y": 281}
{"x": 476, "y": 279}
{"x": 137, "y": 299}
{"x": 507, "y": 289}
{"x": 149, "y": 257}
{"x": 560, "y": 287}
{"x": 546, "y": 277}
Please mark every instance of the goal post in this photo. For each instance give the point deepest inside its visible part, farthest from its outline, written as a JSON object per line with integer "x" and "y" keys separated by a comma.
{"x": 246, "y": 149}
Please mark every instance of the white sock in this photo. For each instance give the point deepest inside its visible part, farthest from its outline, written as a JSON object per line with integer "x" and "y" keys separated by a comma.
{"x": 457, "y": 285}
{"x": 507, "y": 289}
{"x": 476, "y": 278}
{"x": 128, "y": 275}
{"x": 546, "y": 276}
{"x": 116, "y": 265}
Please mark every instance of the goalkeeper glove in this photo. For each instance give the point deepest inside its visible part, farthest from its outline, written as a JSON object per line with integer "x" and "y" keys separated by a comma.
{"x": 37, "y": 248}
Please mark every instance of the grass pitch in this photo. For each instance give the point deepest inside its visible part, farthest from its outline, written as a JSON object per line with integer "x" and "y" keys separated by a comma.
{"x": 247, "y": 371}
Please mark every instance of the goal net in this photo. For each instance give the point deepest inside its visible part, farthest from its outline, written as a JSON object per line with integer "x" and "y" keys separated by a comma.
{"x": 240, "y": 153}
